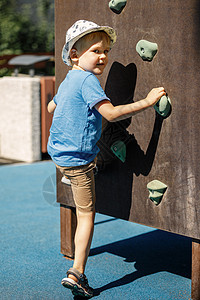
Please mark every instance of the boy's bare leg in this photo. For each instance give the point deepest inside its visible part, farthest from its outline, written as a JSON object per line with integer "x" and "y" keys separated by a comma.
{"x": 83, "y": 239}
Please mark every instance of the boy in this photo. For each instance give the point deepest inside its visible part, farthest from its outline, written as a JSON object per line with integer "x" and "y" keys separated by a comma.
{"x": 79, "y": 106}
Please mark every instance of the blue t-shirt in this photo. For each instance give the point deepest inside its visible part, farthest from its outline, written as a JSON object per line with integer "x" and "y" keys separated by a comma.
{"x": 76, "y": 125}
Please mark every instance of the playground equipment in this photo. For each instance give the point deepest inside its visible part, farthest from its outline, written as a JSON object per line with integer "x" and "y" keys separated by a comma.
{"x": 160, "y": 149}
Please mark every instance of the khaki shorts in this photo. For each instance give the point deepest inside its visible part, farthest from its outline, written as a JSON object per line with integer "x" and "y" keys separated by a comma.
{"x": 83, "y": 185}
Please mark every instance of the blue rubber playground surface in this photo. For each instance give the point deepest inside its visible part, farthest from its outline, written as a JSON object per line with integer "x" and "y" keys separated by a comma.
{"x": 127, "y": 260}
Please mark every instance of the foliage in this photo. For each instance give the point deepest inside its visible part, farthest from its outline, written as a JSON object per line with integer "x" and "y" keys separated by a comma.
{"x": 26, "y": 26}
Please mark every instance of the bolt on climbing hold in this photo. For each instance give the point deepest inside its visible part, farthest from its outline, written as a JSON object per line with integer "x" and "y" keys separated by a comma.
{"x": 119, "y": 149}
{"x": 163, "y": 106}
{"x": 117, "y": 6}
{"x": 146, "y": 50}
{"x": 156, "y": 191}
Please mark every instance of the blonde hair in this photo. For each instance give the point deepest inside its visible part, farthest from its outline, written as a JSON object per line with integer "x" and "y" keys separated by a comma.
{"x": 80, "y": 44}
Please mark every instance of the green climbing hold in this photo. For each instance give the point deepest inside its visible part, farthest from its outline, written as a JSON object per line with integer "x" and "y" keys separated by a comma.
{"x": 156, "y": 191}
{"x": 117, "y": 6}
{"x": 119, "y": 149}
{"x": 163, "y": 106}
{"x": 146, "y": 50}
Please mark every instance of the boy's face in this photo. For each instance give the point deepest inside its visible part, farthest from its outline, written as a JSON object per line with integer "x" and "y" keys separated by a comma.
{"x": 94, "y": 56}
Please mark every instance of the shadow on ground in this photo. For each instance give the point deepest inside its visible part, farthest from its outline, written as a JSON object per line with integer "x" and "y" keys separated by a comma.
{"x": 152, "y": 252}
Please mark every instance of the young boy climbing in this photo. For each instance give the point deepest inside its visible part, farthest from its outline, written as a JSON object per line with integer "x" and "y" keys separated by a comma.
{"x": 78, "y": 108}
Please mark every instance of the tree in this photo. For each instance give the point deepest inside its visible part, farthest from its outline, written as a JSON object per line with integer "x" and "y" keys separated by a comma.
{"x": 26, "y": 26}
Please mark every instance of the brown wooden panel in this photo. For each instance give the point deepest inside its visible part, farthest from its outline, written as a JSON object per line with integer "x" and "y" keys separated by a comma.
{"x": 195, "y": 270}
{"x": 168, "y": 150}
{"x": 47, "y": 93}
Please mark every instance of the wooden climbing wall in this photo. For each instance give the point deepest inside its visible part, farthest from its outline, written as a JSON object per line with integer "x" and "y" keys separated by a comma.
{"x": 166, "y": 150}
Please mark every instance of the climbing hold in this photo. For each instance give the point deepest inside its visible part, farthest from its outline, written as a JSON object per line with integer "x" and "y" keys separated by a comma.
{"x": 163, "y": 106}
{"x": 117, "y": 6}
{"x": 156, "y": 191}
{"x": 147, "y": 50}
{"x": 119, "y": 149}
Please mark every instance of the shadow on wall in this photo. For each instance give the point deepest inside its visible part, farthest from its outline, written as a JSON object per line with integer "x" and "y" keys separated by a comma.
{"x": 153, "y": 252}
{"x": 115, "y": 178}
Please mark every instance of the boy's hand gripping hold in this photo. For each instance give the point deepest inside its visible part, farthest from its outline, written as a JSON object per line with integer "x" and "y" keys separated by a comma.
{"x": 154, "y": 96}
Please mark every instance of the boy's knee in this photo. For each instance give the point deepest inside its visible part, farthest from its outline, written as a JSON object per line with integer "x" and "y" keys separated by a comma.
{"x": 85, "y": 214}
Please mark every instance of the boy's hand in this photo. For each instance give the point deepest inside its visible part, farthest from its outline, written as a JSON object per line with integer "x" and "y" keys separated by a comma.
{"x": 51, "y": 107}
{"x": 154, "y": 95}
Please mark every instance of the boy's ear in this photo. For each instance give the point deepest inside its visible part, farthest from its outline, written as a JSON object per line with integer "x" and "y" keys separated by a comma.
{"x": 73, "y": 55}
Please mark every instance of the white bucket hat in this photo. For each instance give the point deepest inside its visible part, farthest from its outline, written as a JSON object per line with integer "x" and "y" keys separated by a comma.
{"x": 78, "y": 30}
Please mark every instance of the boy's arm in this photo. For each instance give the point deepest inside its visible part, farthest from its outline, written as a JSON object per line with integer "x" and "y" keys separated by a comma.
{"x": 121, "y": 112}
{"x": 51, "y": 106}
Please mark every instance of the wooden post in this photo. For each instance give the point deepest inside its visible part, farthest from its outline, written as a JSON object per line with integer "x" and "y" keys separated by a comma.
{"x": 67, "y": 230}
{"x": 195, "y": 270}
